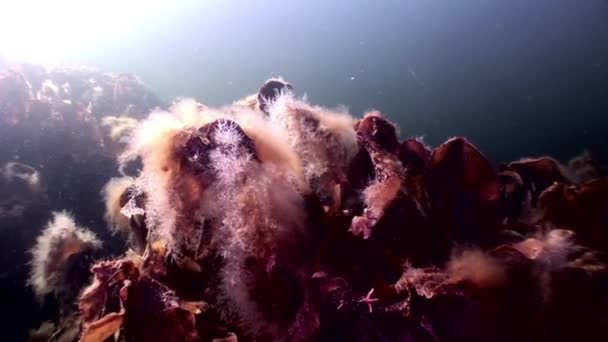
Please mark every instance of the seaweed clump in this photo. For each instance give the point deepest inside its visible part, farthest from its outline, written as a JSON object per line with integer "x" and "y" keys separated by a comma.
{"x": 275, "y": 220}
{"x": 61, "y": 259}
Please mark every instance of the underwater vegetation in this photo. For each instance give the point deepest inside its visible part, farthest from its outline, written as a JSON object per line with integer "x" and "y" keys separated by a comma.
{"x": 272, "y": 219}
{"x": 55, "y": 155}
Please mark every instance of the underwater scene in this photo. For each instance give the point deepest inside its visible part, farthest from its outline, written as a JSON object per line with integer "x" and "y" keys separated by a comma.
{"x": 415, "y": 170}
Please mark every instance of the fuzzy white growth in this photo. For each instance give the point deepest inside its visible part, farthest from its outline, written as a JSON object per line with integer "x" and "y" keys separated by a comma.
{"x": 111, "y": 193}
{"x": 271, "y": 143}
{"x": 249, "y": 101}
{"x": 340, "y": 124}
{"x": 424, "y": 281}
{"x": 263, "y": 220}
{"x": 476, "y": 267}
{"x": 324, "y": 140}
{"x": 262, "y": 217}
{"x": 131, "y": 208}
{"x": 334, "y": 139}
{"x": 120, "y": 127}
{"x": 550, "y": 249}
{"x": 192, "y": 114}
{"x": 61, "y": 239}
{"x": 258, "y": 205}
{"x": 15, "y": 172}
{"x": 158, "y": 140}
{"x": 153, "y": 139}
{"x": 559, "y": 243}
{"x": 153, "y": 142}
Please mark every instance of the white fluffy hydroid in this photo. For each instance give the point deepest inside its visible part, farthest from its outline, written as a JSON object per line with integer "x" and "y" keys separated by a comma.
{"x": 60, "y": 240}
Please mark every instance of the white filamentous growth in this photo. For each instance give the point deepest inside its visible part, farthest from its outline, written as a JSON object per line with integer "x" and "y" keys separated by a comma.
{"x": 323, "y": 140}
{"x": 120, "y": 126}
{"x": 60, "y": 239}
{"x": 15, "y": 171}
{"x": 476, "y": 267}
{"x": 272, "y": 144}
{"x": 111, "y": 193}
{"x": 262, "y": 215}
{"x": 264, "y": 221}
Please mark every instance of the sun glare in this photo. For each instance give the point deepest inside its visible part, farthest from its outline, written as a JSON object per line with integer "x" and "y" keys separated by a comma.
{"x": 46, "y": 31}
